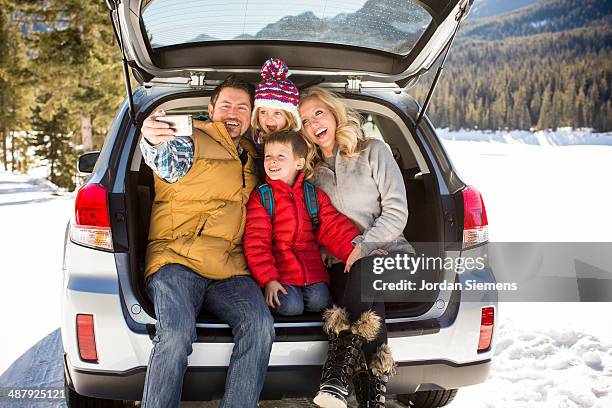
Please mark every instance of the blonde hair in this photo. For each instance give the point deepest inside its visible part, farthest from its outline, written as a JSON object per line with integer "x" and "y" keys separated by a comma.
{"x": 312, "y": 157}
{"x": 288, "y": 117}
{"x": 349, "y": 136}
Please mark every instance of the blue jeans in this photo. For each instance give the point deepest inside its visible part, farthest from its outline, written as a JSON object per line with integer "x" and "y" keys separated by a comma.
{"x": 178, "y": 294}
{"x": 312, "y": 298}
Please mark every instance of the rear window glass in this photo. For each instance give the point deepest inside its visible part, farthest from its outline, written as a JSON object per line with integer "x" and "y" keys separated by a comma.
{"x": 387, "y": 25}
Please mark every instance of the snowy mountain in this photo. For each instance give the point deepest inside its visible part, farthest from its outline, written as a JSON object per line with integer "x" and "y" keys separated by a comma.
{"x": 549, "y": 16}
{"x": 488, "y": 8}
{"x": 381, "y": 24}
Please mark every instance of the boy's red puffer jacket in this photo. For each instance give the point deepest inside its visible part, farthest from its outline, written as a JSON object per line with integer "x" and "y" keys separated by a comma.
{"x": 286, "y": 248}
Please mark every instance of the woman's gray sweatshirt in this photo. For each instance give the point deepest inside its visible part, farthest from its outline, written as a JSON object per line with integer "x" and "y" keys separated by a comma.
{"x": 370, "y": 190}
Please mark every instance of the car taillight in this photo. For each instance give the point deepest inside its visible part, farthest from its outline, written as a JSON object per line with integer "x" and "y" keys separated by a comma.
{"x": 475, "y": 223}
{"x": 86, "y": 338}
{"x": 91, "y": 225}
{"x": 487, "y": 317}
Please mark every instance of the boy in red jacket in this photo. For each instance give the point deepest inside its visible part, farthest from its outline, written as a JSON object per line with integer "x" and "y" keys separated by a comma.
{"x": 282, "y": 246}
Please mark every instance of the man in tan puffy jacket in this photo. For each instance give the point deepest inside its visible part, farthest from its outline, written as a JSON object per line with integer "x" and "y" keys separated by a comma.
{"x": 194, "y": 257}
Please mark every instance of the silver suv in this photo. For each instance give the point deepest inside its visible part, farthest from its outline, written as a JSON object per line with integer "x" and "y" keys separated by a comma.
{"x": 369, "y": 54}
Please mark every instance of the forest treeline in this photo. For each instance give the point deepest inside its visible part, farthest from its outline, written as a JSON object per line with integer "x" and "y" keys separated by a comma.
{"x": 543, "y": 81}
{"x": 60, "y": 83}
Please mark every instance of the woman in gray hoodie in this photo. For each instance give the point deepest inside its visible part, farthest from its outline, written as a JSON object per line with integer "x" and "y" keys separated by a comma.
{"x": 364, "y": 182}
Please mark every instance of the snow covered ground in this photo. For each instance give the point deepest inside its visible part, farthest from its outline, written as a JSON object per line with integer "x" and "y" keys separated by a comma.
{"x": 34, "y": 219}
{"x": 539, "y": 187}
{"x": 550, "y": 186}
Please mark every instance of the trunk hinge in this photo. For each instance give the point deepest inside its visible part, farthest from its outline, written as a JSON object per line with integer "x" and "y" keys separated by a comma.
{"x": 461, "y": 13}
{"x": 198, "y": 80}
{"x": 126, "y": 72}
{"x": 353, "y": 85}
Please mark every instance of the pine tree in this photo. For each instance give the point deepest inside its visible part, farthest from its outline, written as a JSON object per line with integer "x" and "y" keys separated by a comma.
{"x": 79, "y": 48}
{"x": 579, "y": 119}
{"x": 605, "y": 117}
{"x": 15, "y": 87}
{"x": 3, "y": 85}
{"x": 20, "y": 145}
{"x": 545, "y": 120}
{"x": 52, "y": 141}
{"x": 591, "y": 106}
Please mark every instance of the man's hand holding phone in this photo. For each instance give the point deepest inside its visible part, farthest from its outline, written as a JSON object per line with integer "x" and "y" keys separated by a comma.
{"x": 159, "y": 127}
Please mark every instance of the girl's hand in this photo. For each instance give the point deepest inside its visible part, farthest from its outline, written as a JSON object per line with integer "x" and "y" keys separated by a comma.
{"x": 272, "y": 289}
{"x": 355, "y": 254}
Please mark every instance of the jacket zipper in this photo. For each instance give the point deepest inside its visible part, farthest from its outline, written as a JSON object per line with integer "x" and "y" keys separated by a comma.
{"x": 244, "y": 158}
{"x": 297, "y": 217}
{"x": 201, "y": 229}
{"x": 343, "y": 210}
{"x": 334, "y": 173}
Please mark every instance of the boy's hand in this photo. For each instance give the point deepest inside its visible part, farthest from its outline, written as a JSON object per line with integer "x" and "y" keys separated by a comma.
{"x": 327, "y": 259}
{"x": 272, "y": 289}
{"x": 355, "y": 254}
{"x": 156, "y": 132}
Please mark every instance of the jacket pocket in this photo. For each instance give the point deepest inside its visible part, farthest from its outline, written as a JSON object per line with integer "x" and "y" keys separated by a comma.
{"x": 182, "y": 245}
{"x": 201, "y": 226}
{"x": 198, "y": 233}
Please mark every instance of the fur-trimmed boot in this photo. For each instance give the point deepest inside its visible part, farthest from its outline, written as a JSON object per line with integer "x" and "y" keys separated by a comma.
{"x": 371, "y": 382}
{"x": 343, "y": 354}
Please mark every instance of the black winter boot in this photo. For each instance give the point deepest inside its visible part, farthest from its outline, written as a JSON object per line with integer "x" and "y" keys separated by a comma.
{"x": 371, "y": 383}
{"x": 343, "y": 354}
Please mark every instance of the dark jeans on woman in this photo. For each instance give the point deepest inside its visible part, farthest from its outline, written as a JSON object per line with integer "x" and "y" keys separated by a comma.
{"x": 346, "y": 292}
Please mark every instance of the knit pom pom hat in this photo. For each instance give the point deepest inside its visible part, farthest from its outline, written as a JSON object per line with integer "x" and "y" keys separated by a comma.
{"x": 275, "y": 91}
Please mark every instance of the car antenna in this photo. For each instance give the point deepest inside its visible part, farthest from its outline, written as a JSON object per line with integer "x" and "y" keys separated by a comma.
{"x": 462, "y": 11}
{"x": 126, "y": 73}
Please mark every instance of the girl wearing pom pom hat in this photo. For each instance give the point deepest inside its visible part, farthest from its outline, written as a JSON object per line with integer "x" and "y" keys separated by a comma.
{"x": 276, "y": 102}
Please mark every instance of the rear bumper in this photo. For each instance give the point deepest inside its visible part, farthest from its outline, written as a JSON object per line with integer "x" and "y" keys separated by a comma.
{"x": 207, "y": 383}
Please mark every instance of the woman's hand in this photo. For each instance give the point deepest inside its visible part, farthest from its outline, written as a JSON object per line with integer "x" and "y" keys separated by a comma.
{"x": 355, "y": 254}
{"x": 156, "y": 132}
{"x": 272, "y": 289}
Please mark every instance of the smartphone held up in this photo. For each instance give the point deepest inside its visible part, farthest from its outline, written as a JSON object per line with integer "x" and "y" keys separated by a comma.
{"x": 181, "y": 124}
